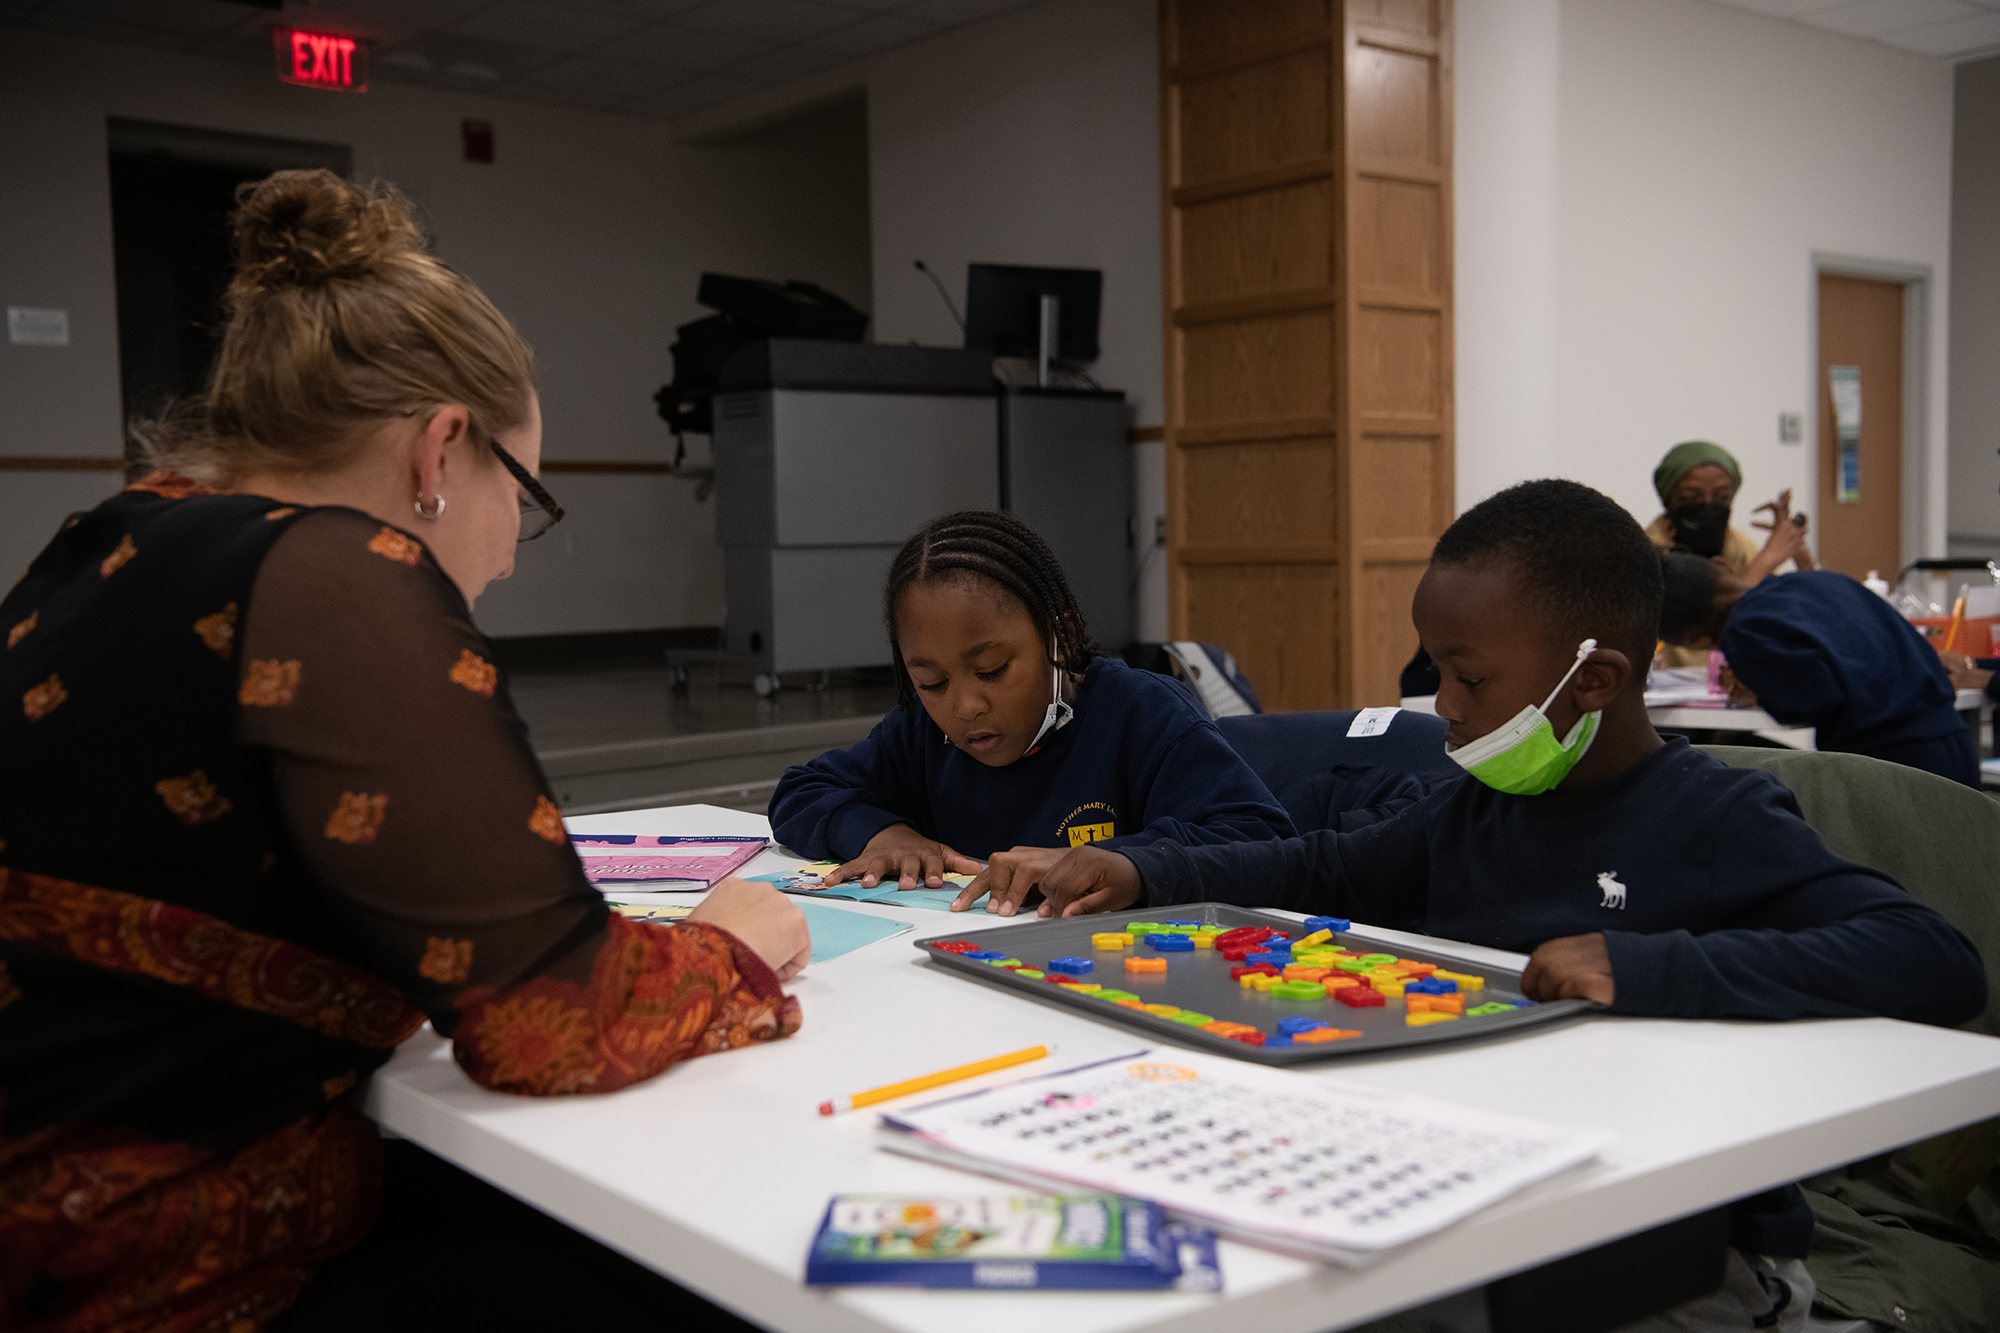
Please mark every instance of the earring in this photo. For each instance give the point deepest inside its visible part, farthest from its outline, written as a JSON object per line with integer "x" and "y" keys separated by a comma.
{"x": 432, "y": 514}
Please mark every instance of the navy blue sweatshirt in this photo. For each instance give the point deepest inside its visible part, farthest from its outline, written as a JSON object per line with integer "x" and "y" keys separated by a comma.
{"x": 1821, "y": 651}
{"x": 1715, "y": 897}
{"x": 1138, "y": 764}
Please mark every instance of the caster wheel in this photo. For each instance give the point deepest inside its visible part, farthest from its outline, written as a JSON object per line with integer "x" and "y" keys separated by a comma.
{"x": 766, "y": 685}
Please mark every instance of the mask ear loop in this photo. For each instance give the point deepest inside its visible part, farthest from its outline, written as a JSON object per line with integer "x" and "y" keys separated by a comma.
{"x": 1584, "y": 649}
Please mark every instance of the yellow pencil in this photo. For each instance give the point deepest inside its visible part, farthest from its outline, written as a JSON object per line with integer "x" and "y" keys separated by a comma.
{"x": 907, "y": 1086}
{"x": 1957, "y": 619}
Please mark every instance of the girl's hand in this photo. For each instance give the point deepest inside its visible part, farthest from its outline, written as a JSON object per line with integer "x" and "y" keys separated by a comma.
{"x": 769, "y": 923}
{"x": 902, "y": 853}
{"x": 1090, "y": 879}
{"x": 1009, "y": 876}
{"x": 1575, "y": 967}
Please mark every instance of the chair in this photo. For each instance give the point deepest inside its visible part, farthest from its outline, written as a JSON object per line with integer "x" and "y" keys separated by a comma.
{"x": 1327, "y": 779}
{"x": 1938, "y": 839}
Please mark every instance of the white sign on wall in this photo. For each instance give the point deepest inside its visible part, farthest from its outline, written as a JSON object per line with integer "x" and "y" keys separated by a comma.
{"x": 37, "y": 327}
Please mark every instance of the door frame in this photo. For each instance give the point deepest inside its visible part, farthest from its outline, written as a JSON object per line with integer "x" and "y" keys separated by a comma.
{"x": 1922, "y": 536}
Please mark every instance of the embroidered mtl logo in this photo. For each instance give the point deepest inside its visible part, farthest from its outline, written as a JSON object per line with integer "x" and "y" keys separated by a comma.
{"x": 1614, "y": 892}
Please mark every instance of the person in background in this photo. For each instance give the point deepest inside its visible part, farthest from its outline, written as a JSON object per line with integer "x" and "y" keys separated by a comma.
{"x": 1816, "y": 649}
{"x": 1697, "y": 483}
{"x": 1974, "y": 673}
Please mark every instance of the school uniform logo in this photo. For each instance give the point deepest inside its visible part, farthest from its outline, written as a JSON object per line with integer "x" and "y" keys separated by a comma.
{"x": 1093, "y": 821}
{"x": 1614, "y": 892}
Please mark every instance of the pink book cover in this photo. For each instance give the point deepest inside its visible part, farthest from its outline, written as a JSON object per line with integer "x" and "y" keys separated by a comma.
{"x": 663, "y": 862}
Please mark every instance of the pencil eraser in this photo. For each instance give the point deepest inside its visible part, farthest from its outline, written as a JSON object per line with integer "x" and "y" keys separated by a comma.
{"x": 826, "y": 1108}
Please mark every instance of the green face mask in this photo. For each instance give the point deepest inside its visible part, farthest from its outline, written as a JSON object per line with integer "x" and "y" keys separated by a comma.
{"x": 1524, "y": 758}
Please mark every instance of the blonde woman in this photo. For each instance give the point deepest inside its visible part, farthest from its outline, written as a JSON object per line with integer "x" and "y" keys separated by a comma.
{"x": 265, "y": 806}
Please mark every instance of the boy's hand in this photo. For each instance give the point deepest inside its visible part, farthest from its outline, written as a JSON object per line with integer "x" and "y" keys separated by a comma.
{"x": 1009, "y": 877}
{"x": 902, "y": 853}
{"x": 768, "y": 922}
{"x": 1740, "y": 695}
{"x": 1090, "y": 879}
{"x": 1575, "y": 967}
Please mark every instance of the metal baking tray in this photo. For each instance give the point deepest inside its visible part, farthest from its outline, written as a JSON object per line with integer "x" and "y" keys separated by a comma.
{"x": 1199, "y": 981}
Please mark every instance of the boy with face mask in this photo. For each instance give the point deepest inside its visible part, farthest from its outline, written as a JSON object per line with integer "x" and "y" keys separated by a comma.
{"x": 1636, "y": 872}
{"x": 1697, "y": 483}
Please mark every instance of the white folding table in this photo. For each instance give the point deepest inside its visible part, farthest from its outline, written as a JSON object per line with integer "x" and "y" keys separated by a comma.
{"x": 716, "y": 1173}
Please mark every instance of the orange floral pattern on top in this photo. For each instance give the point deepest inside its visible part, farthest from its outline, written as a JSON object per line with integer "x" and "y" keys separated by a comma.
{"x": 9, "y": 992}
{"x": 178, "y": 945}
{"x": 169, "y": 485}
{"x": 474, "y": 672}
{"x": 23, "y": 629}
{"x": 546, "y": 822}
{"x": 656, "y": 995}
{"x": 285, "y": 511}
{"x": 43, "y": 699}
{"x": 269, "y": 684}
{"x": 395, "y": 546}
{"x": 114, "y": 562}
{"x": 447, "y": 962}
{"x": 218, "y": 631}
{"x": 193, "y": 799}
{"x": 131, "y": 1233}
{"x": 357, "y": 818}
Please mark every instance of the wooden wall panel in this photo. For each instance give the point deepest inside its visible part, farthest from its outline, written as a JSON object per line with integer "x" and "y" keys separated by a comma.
{"x": 1261, "y": 493}
{"x": 1306, "y": 217}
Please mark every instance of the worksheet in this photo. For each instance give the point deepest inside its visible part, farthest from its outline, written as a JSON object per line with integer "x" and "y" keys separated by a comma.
{"x": 1303, "y": 1163}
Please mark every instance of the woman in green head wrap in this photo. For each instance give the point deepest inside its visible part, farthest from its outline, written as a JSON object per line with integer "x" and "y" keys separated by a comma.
{"x": 1697, "y": 482}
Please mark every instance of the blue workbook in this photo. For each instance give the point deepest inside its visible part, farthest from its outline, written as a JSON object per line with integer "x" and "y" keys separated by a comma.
{"x": 1010, "y": 1241}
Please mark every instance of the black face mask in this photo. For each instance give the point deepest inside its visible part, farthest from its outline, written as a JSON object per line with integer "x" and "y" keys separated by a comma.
{"x": 1700, "y": 527}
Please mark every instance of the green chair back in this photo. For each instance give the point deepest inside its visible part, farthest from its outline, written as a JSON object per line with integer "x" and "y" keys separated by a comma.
{"x": 1936, "y": 838}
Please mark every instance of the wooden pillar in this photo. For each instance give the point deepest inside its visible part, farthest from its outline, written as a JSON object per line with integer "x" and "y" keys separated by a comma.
{"x": 1306, "y": 160}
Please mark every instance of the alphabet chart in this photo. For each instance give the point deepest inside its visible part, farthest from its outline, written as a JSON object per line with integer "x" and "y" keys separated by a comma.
{"x": 1311, "y": 1165}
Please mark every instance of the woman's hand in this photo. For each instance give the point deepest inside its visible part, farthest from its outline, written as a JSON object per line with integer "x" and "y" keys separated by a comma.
{"x": 769, "y": 923}
{"x": 1787, "y": 540}
{"x": 1575, "y": 967}
{"x": 1089, "y": 879}
{"x": 902, "y": 853}
{"x": 1009, "y": 876}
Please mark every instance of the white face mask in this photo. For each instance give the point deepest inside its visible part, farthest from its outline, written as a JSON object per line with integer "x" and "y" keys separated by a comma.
{"x": 1059, "y": 713}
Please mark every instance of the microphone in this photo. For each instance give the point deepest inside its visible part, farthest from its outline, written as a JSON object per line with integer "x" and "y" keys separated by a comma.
{"x": 943, "y": 295}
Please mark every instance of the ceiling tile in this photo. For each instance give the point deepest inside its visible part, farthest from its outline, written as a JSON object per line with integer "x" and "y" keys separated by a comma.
{"x": 639, "y": 11}
{"x": 473, "y": 60}
{"x": 1972, "y": 35}
{"x": 680, "y": 48}
{"x": 709, "y": 90}
{"x": 787, "y": 63}
{"x": 544, "y": 27}
{"x": 167, "y": 20}
{"x": 410, "y": 16}
{"x": 1873, "y": 18}
{"x": 952, "y": 13}
{"x": 772, "y": 21}
{"x": 876, "y": 34}
{"x": 600, "y": 76}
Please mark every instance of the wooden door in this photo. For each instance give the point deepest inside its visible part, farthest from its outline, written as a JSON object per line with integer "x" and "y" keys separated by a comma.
{"x": 1307, "y": 243}
{"x": 1861, "y": 325}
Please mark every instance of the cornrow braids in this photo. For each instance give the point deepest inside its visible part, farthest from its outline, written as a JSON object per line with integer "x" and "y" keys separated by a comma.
{"x": 1004, "y": 551}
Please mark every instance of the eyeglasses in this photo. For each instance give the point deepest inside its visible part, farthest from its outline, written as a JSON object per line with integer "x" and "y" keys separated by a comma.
{"x": 539, "y": 510}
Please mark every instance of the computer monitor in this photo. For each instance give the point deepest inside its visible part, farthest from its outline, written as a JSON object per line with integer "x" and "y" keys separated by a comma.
{"x": 1003, "y": 309}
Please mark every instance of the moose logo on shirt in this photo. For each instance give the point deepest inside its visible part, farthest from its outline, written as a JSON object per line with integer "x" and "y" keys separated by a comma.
{"x": 1614, "y": 892}
{"x": 1080, "y": 833}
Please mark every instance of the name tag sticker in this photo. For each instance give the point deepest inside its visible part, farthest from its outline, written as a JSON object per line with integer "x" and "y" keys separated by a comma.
{"x": 1371, "y": 722}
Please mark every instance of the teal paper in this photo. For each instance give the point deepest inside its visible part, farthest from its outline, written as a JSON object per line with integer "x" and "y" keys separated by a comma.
{"x": 835, "y": 932}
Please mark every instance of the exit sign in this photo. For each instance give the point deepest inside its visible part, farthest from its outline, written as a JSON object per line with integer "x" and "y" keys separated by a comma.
{"x": 321, "y": 60}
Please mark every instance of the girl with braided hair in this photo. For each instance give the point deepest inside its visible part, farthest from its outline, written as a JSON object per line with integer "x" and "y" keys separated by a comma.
{"x": 1015, "y": 740}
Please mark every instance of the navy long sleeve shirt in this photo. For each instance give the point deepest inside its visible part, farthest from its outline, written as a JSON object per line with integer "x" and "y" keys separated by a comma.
{"x": 1715, "y": 898}
{"x": 1819, "y": 650}
{"x": 1138, "y": 764}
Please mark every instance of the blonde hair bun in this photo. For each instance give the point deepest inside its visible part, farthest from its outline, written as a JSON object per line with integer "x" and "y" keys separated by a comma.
{"x": 310, "y": 228}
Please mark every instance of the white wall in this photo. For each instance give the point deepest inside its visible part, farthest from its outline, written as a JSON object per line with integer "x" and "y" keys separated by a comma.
{"x": 1635, "y": 268}
{"x": 590, "y": 232}
{"x": 1975, "y": 312}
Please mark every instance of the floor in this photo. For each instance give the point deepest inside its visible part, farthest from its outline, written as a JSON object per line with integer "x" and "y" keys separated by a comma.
{"x": 617, "y": 736}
